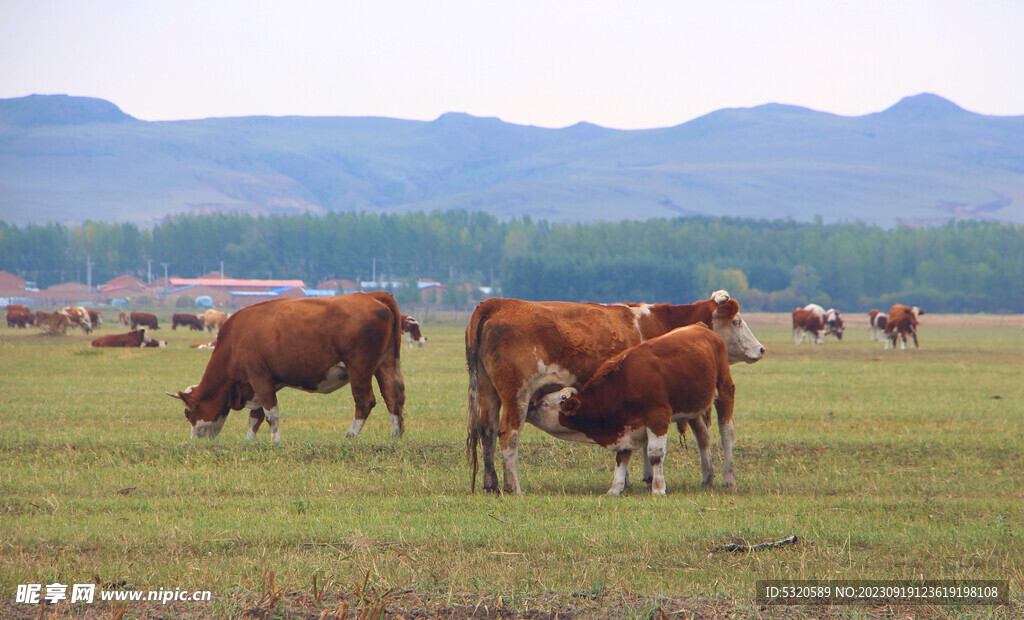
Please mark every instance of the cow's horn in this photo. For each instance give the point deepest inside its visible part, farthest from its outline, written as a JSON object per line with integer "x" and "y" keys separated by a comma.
{"x": 178, "y": 396}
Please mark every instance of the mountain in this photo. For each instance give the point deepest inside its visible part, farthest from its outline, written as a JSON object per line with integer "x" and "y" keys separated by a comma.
{"x": 922, "y": 161}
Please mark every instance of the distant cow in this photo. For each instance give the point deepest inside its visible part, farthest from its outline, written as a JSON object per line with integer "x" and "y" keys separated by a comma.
{"x": 411, "y": 328}
{"x": 834, "y": 323}
{"x": 514, "y": 348}
{"x": 213, "y": 319}
{"x": 203, "y": 345}
{"x": 316, "y": 345}
{"x": 96, "y": 317}
{"x": 18, "y": 307}
{"x": 77, "y": 316}
{"x": 124, "y": 319}
{"x": 43, "y": 319}
{"x": 192, "y": 321}
{"x": 20, "y": 318}
{"x": 902, "y": 321}
{"x": 138, "y": 338}
{"x": 876, "y": 323}
{"x": 632, "y": 400}
{"x": 143, "y": 318}
{"x": 808, "y": 323}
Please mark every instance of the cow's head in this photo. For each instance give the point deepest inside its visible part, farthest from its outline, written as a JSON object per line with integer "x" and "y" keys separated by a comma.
{"x": 835, "y": 323}
{"x": 743, "y": 346}
{"x": 205, "y": 419}
{"x": 549, "y": 405}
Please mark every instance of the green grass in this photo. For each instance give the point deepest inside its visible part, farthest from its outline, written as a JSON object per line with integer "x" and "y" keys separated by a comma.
{"x": 887, "y": 465}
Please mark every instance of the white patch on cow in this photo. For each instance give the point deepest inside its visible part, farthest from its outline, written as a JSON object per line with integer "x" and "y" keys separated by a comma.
{"x": 357, "y": 425}
{"x": 335, "y": 378}
{"x": 817, "y": 310}
{"x": 728, "y": 434}
{"x": 273, "y": 416}
{"x": 640, "y": 312}
{"x": 252, "y": 427}
{"x": 203, "y": 429}
{"x": 546, "y": 374}
{"x": 510, "y": 464}
{"x": 720, "y": 297}
{"x": 620, "y": 479}
{"x": 656, "y": 450}
{"x": 396, "y": 426}
{"x": 741, "y": 343}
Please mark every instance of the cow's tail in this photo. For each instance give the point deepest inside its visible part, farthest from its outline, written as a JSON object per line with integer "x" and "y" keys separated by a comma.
{"x": 396, "y": 327}
{"x": 473, "y": 422}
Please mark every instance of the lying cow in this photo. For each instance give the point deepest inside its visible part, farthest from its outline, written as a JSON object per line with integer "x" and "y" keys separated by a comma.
{"x": 193, "y": 321}
{"x": 514, "y": 347}
{"x": 143, "y": 318}
{"x": 902, "y": 321}
{"x": 316, "y": 345}
{"x": 138, "y": 338}
{"x": 876, "y": 323}
{"x": 411, "y": 329}
{"x": 632, "y": 400}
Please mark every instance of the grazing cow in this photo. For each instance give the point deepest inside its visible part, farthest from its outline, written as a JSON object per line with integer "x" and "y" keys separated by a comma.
{"x": 515, "y": 347}
{"x": 192, "y": 321}
{"x": 808, "y": 323}
{"x": 411, "y": 328}
{"x": 43, "y": 318}
{"x": 317, "y": 345}
{"x": 213, "y": 319}
{"x": 143, "y": 318}
{"x": 902, "y": 320}
{"x": 124, "y": 319}
{"x": 876, "y": 323}
{"x": 138, "y": 338}
{"x": 96, "y": 317}
{"x": 834, "y": 323}
{"x": 20, "y": 318}
{"x": 77, "y": 316}
{"x": 634, "y": 397}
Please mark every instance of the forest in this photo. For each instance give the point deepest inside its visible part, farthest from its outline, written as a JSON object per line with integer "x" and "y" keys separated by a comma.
{"x": 772, "y": 265}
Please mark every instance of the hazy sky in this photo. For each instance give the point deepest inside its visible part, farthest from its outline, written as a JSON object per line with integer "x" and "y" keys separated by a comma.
{"x": 548, "y": 63}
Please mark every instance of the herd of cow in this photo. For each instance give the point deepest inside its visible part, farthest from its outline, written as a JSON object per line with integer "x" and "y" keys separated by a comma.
{"x": 615, "y": 375}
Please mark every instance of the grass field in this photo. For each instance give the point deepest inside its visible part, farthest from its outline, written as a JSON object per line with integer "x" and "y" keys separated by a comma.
{"x": 886, "y": 465}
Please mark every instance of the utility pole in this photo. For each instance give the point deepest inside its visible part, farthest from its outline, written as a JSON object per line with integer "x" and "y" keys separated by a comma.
{"x": 149, "y": 271}
{"x": 88, "y": 272}
{"x": 166, "y": 280}
{"x": 221, "y": 270}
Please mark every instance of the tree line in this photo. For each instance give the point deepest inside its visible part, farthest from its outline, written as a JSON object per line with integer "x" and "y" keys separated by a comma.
{"x": 773, "y": 265}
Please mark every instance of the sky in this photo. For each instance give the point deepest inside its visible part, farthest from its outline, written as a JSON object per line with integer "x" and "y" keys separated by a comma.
{"x": 549, "y": 63}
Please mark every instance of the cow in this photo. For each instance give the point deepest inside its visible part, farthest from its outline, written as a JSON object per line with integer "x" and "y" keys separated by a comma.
{"x": 20, "y": 318}
{"x": 143, "y": 318}
{"x": 808, "y": 323}
{"x": 124, "y": 319}
{"x": 902, "y": 320}
{"x": 317, "y": 345}
{"x": 213, "y": 319}
{"x": 411, "y": 328}
{"x": 634, "y": 397}
{"x": 77, "y": 316}
{"x": 203, "y": 345}
{"x": 138, "y": 338}
{"x": 515, "y": 347}
{"x": 19, "y": 307}
{"x": 834, "y": 323}
{"x": 43, "y": 318}
{"x": 96, "y": 317}
{"x": 153, "y": 342}
{"x": 193, "y": 321}
{"x": 876, "y": 323}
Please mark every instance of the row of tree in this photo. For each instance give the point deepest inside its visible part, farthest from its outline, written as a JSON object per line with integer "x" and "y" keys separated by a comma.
{"x": 769, "y": 264}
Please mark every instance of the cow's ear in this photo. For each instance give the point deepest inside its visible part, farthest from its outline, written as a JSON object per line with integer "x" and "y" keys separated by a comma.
{"x": 727, "y": 310}
{"x": 571, "y": 407}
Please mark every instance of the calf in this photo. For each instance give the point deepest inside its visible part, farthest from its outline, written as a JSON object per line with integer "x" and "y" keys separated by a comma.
{"x": 143, "y": 318}
{"x": 411, "y": 328}
{"x": 876, "y": 323}
{"x": 902, "y": 321}
{"x": 635, "y": 396}
{"x": 193, "y": 321}
{"x": 138, "y": 338}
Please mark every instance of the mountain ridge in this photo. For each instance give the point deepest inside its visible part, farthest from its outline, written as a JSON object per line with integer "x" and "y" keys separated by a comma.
{"x": 924, "y": 160}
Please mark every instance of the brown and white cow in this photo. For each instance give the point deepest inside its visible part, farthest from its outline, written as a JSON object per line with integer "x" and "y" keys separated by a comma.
{"x": 876, "y": 323}
{"x": 43, "y": 318}
{"x": 316, "y": 345}
{"x": 138, "y": 338}
{"x": 634, "y": 398}
{"x": 20, "y": 318}
{"x": 902, "y": 321}
{"x": 193, "y": 321}
{"x": 124, "y": 319}
{"x": 143, "y": 318}
{"x": 21, "y": 307}
{"x": 807, "y": 322}
{"x": 213, "y": 319}
{"x": 77, "y": 316}
{"x": 834, "y": 323}
{"x": 411, "y": 329}
{"x": 514, "y": 348}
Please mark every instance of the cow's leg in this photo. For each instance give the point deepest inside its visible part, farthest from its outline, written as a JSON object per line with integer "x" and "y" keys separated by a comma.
{"x": 266, "y": 397}
{"x": 913, "y": 332}
{"x": 703, "y": 438}
{"x": 362, "y": 394}
{"x": 724, "y": 407}
{"x": 648, "y": 472}
{"x": 657, "y": 443}
{"x": 392, "y": 390}
{"x": 620, "y": 480}
{"x": 513, "y": 415}
{"x": 482, "y": 424}
{"x": 256, "y": 417}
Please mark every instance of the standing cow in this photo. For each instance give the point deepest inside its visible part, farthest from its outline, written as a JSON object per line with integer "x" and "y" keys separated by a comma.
{"x": 213, "y": 319}
{"x": 902, "y": 321}
{"x": 876, "y": 323}
{"x": 411, "y": 328}
{"x": 77, "y": 316}
{"x": 193, "y": 321}
{"x": 316, "y": 345}
{"x": 143, "y": 318}
{"x": 20, "y": 318}
{"x": 633, "y": 399}
{"x": 514, "y": 348}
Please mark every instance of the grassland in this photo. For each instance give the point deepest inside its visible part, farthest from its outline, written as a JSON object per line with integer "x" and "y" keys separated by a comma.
{"x": 886, "y": 465}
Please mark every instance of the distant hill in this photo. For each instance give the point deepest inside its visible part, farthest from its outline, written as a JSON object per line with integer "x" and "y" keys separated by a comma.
{"x": 923, "y": 161}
